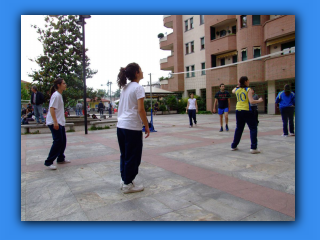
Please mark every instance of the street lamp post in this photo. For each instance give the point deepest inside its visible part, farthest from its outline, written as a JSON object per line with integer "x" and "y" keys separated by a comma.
{"x": 81, "y": 21}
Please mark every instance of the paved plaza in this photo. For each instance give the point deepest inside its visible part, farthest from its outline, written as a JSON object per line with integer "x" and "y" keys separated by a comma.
{"x": 189, "y": 174}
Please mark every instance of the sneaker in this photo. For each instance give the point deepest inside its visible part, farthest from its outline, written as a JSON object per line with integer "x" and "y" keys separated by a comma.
{"x": 122, "y": 183}
{"x": 65, "y": 161}
{"x": 190, "y": 126}
{"x": 292, "y": 134}
{"x": 130, "y": 188}
{"x": 227, "y": 129}
{"x": 254, "y": 151}
{"x": 221, "y": 129}
{"x": 284, "y": 135}
{"x": 52, "y": 167}
{"x": 234, "y": 149}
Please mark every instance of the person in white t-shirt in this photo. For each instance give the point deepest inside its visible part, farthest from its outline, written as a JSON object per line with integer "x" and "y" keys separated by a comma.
{"x": 192, "y": 109}
{"x": 131, "y": 114}
{"x": 56, "y": 122}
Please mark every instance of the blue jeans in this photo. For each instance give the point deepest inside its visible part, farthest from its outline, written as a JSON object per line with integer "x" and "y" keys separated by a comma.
{"x": 287, "y": 114}
{"x": 38, "y": 112}
{"x": 192, "y": 114}
{"x": 58, "y": 146}
{"x": 242, "y": 118}
{"x": 130, "y": 144}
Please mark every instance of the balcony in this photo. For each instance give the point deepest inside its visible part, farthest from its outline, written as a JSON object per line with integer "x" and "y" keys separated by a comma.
{"x": 167, "y": 63}
{"x": 226, "y": 75}
{"x": 280, "y": 67}
{"x": 168, "y": 21}
{"x": 176, "y": 83}
{"x": 279, "y": 27}
{"x": 166, "y": 43}
{"x": 217, "y": 20}
{"x": 254, "y": 70}
{"x": 223, "y": 44}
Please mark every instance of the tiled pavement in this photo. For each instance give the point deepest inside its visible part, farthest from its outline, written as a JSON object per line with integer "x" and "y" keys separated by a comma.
{"x": 189, "y": 174}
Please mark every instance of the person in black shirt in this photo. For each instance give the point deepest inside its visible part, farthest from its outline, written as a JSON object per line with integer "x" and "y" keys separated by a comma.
{"x": 223, "y": 99}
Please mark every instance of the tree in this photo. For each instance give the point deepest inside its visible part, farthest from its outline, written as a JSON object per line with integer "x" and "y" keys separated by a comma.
{"x": 25, "y": 95}
{"x": 62, "y": 49}
{"x": 101, "y": 93}
{"x": 117, "y": 93}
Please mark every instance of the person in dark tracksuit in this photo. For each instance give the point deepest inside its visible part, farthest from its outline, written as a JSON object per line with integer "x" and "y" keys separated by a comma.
{"x": 244, "y": 114}
{"x": 286, "y": 101}
{"x": 131, "y": 114}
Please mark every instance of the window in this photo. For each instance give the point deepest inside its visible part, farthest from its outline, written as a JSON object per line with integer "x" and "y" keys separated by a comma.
{"x": 255, "y": 19}
{"x": 201, "y": 19}
{"x": 222, "y": 61}
{"x": 192, "y": 47}
{"x": 212, "y": 33}
{"x": 187, "y": 48}
{"x": 192, "y": 71}
{"x": 235, "y": 59}
{"x": 256, "y": 52}
{"x": 223, "y": 33}
{"x": 213, "y": 61}
{"x": 191, "y": 23}
{"x": 234, "y": 29}
{"x": 187, "y": 70}
{"x": 186, "y": 25}
{"x": 202, "y": 42}
{"x": 243, "y": 22}
{"x": 203, "y": 66}
{"x": 244, "y": 54}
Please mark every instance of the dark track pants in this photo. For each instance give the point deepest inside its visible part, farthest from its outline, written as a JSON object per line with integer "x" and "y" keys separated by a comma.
{"x": 58, "y": 146}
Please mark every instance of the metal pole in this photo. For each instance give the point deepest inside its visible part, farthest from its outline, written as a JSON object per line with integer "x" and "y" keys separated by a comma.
{"x": 84, "y": 77}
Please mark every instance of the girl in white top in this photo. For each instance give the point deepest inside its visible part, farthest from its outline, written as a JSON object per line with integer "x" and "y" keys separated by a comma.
{"x": 131, "y": 114}
{"x": 56, "y": 122}
{"x": 192, "y": 109}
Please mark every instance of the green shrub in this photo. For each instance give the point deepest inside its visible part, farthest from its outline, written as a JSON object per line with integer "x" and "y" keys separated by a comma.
{"x": 160, "y": 35}
{"x": 71, "y": 130}
{"x": 162, "y": 108}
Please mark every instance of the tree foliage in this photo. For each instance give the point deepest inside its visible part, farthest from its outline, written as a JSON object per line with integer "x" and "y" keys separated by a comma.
{"x": 62, "y": 57}
{"x": 25, "y": 93}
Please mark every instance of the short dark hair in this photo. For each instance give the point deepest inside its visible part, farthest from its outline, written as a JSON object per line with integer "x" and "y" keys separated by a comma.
{"x": 221, "y": 84}
{"x": 34, "y": 87}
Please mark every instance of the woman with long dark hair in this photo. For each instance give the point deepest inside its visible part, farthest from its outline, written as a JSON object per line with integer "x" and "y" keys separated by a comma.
{"x": 244, "y": 114}
{"x": 287, "y": 102}
{"x": 131, "y": 113}
{"x": 56, "y": 122}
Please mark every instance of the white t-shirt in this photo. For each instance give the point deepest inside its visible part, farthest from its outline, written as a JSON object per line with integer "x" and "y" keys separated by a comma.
{"x": 56, "y": 102}
{"x": 192, "y": 103}
{"x": 128, "y": 116}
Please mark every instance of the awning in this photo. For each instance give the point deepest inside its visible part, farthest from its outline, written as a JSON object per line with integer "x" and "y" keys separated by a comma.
{"x": 281, "y": 40}
{"x": 229, "y": 54}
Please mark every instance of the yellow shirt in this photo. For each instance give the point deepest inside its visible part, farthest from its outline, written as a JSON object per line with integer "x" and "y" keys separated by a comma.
{"x": 242, "y": 99}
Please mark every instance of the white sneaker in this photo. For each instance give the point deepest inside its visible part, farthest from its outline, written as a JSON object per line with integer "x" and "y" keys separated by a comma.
{"x": 254, "y": 151}
{"x": 292, "y": 134}
{"x": 234, "y": 149}
{"x": 130, "y": 188}
{"x": 284, "y": 135}
{"x": 122, "y": 183}
{"x": 52, "y": 167}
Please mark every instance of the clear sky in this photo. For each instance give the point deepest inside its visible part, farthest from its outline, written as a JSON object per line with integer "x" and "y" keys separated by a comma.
{"x": 113, "y": 41}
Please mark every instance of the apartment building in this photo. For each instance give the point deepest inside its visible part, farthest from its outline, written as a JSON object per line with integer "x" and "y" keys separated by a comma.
{"x": 211, "y": 41}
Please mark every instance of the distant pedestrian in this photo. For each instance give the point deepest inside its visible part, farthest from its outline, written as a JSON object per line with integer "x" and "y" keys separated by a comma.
{"x": 78, "y": 109}
{"x": 223, "y": 99}
{"x": 129, "y": 128}
{"x": 245, "y": 115}
{"x": 37, "y": 100}
{"x": 192, "y": 109}
{"x": 156, "y": 108}
{"x": 100, "y": 108}
{"x": 56, "y": 122}
{"x": 254, "y": 106}
{"x": 287, "y": 102}
{"x": 110, "y": 110}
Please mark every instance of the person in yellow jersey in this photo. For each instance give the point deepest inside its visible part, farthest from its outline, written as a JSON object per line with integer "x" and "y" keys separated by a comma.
{"x": 244, "y": 114}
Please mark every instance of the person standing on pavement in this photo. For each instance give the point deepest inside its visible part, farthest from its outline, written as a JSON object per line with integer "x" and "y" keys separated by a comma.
{"x": 223, "y": 99}
{"x": 131, "y": 114}
{"x": 245, "y": 115}
{"x": 287, "y": 102}
{"x": 156, "y": 108}
{"x": 192, "y": 109}
{"x": 56, "y": 122}
{"x": 37, "y": 100}
{"x": 78, "y": 109}
{"x": 100, "y": 108}
{"x": 254, "y": 107}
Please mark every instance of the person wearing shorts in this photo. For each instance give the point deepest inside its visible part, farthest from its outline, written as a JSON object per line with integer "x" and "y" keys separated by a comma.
{"x": 223, "y": 99}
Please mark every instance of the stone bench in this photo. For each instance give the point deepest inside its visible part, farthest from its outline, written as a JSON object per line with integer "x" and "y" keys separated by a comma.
{"x": 27, "y": 127}
{"x": 103, "y": 123}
